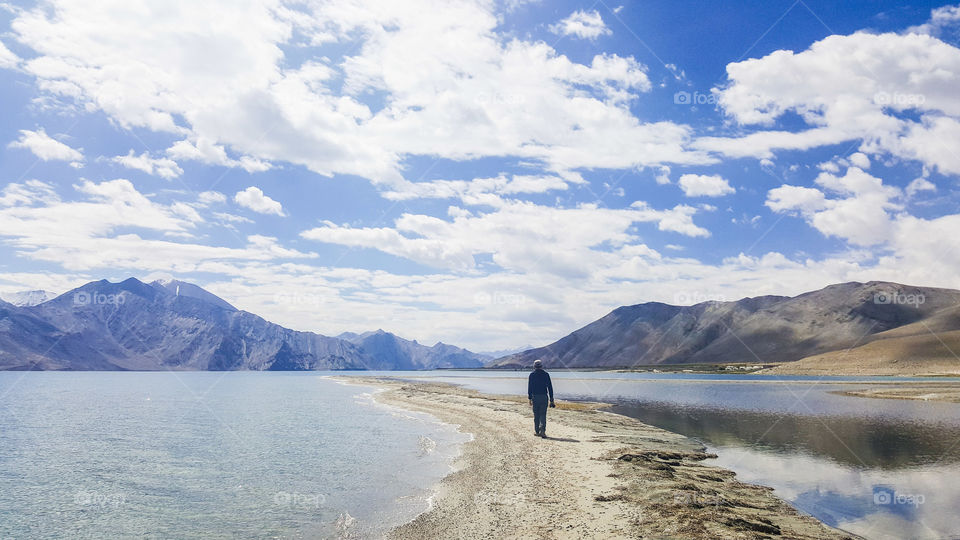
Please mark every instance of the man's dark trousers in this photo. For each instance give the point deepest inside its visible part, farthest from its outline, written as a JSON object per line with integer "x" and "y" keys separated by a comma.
{"x": 540, "y": 402}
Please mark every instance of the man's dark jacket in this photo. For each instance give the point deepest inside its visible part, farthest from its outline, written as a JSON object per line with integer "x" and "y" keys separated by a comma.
{"x": 539, "y": 384}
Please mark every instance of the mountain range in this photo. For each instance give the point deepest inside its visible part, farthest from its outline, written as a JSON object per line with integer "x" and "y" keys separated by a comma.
{"x": 857, "y": 328}
{"x": 875, "y": 327}
{"x": 174, "y": 325}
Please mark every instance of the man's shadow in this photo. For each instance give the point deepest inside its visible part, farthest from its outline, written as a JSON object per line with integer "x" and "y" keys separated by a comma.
{"x": 559, "y": 439}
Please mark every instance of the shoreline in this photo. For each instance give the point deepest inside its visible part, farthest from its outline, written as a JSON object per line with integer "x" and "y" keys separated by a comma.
{"x": 942, "y": 392}
{"x": 598, "y": 475}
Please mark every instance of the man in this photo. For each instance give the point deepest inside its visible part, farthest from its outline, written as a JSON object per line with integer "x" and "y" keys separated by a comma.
{"x": 539, "y": 392}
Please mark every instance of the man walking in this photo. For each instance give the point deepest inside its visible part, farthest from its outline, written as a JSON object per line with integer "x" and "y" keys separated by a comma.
{"x": 540, "y": 392}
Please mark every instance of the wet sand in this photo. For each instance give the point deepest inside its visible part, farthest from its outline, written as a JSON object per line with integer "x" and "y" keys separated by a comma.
{"x": 598, "y": 475}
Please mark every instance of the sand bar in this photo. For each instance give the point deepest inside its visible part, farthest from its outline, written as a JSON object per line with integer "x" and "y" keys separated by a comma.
{"x": 598, "y": 475}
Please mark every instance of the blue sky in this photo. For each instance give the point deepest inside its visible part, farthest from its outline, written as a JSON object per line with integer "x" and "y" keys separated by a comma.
{"x": 491, "y": 174}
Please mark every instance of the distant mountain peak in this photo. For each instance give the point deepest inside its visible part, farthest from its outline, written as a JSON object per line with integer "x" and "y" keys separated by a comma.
{"x": 28, "y": 298}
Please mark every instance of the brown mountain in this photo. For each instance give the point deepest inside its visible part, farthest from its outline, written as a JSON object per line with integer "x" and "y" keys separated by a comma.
{"x": 764, "y": 329}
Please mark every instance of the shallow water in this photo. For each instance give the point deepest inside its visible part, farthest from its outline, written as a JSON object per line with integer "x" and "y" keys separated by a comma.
{"x": 884, "y": 469}
{"x": 209, "y": 455}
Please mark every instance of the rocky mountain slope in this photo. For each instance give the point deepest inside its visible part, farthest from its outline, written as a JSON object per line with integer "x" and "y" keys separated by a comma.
{"x": 756, "y": 330}
{"x": 928, "y": 346}
{"x": 174, "y": 325}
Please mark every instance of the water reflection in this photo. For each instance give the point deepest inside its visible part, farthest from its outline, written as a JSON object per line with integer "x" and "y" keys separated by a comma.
{"x": 866, "y": 442}
{"x": 917, "y": 502}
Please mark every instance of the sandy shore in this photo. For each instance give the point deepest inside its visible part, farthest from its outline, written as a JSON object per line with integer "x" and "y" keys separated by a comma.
{"x": 598, "y": 475}
{"x": 947, "y": 392}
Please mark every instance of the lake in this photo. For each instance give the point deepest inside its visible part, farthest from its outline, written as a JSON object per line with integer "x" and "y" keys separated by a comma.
{"x": 210, "y": 455}
{"x": 884, "y": 469}
{"x": 296, "y": 455}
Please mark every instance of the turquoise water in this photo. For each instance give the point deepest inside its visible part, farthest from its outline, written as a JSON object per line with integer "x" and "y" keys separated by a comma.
{"x": 209, "y": 455}
{"x": 883, "y": 469}
{"x": 296, "y": 455}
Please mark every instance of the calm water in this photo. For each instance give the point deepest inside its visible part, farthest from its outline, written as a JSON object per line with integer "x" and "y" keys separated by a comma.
{"x": 209, "y": 455}
{"x": 884, "y": 469}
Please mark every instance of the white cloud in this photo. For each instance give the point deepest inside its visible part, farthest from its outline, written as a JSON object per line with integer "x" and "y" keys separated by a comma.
{"x": 941, "y": 19}
{"x": 849, "y": 88}
{"x": 8, "y": 60}
{"x": 254, "y": 199}
{"x": 859, "y": 213}
{"x": 220, "y": 79}
{"x": 114, "y": 226}
{"x": 186, "y": 212}
{"x": 162, "y": 167}
{"x": 702, "y": 185}
{"x": 583, "y": 24}
{"x": 918, "y": 185}
{"x": 663, "y": 175}
{"x": 46, "y": 147}
{"x": 205, "y": 151}
{"x": 520, "y": 236}
{"x": 859, "y": 159}
{"x": 803, "y": 199}
{"x": 479, "y": 190}
{"x": 207, "y": 198}
{"x": 28, "y": 193}
{"x": 231, "y": 218}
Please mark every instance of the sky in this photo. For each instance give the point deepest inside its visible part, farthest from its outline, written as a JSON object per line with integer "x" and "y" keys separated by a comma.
{"x": 488, "y": 173}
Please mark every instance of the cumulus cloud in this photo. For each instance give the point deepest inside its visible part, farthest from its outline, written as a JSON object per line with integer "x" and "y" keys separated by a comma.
{"x": 162, "y": 167}
{"x": 582, "y": 24}
{"x": 859, "y": 211}
{"x": 46, "y": 147}
{"x": 703, "y": 185}
{"x": 222, "y": 81}
{"x": 942, "y": 21}
{"x": 112, "y": 225}
{"x": 520, "y": 236}
{"x": 853, "y": 87}
{"x": 918, "y": 185}
{"x": 254, "y": 199}
{"x": 205, "y": 151}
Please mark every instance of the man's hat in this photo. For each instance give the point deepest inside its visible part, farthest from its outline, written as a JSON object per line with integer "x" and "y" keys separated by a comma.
{"x": 537, "y": 363}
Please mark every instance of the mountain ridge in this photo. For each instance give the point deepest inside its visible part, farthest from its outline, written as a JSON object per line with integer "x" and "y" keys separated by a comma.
{"x": 175, "y": 325}
{"x": 762, "y": 329}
